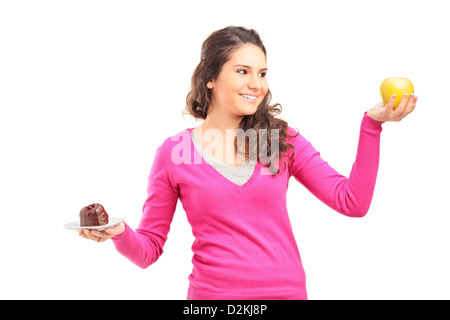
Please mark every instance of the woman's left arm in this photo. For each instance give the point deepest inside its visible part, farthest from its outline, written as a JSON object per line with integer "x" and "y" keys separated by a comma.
{"x": 350, "y": 196}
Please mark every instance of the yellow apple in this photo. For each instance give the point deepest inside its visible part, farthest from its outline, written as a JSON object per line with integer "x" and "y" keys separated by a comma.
{"x": 397, "y": 86}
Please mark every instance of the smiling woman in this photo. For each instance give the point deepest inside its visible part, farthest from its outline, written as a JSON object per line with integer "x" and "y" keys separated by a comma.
{"x": 239, "y": 89}
{"x": 229, "y": 89}
{"x": 244, "y": 244}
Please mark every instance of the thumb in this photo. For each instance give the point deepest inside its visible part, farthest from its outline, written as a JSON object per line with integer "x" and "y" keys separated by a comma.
{"x": 116, "y": 230}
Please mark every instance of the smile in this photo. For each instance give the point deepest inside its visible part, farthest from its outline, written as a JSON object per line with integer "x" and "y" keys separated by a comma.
{"x": 249, "y": 98}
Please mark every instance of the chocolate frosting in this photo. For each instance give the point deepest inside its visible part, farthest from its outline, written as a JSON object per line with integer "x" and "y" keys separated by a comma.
{"x": 93, "y": 215}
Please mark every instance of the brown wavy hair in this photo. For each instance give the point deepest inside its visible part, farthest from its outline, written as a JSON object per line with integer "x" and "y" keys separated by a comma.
{"x": 216, "y": 51}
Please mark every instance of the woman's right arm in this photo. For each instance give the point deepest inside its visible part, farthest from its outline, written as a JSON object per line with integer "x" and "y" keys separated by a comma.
{"x": 144, "y": 245}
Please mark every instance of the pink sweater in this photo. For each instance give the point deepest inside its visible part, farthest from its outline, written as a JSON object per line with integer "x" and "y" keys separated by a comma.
{"x": 244, "y": 245}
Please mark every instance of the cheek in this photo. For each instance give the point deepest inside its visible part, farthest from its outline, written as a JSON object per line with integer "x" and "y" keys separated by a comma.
{"x": 265, "y": 85}
{"x": 264, "y": 89}
{"x": 230, "y": 87}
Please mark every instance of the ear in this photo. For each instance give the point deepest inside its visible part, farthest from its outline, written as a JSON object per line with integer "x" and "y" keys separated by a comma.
{"x": 210, "y": 84}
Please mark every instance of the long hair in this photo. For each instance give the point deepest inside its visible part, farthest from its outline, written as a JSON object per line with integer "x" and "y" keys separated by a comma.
{"x": 216, "y": 51}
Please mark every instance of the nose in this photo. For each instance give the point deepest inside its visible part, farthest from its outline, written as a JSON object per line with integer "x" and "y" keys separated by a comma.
{"x": 254, "y": 83}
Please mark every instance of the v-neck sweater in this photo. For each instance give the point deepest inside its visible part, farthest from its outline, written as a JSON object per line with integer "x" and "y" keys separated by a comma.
{"x": 238, "y": 175}
{"x": 244, "y": 245}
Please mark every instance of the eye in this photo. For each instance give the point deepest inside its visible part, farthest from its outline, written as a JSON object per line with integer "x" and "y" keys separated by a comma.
{"x": 242, "y": 71}
{"x": 263, "y": 74}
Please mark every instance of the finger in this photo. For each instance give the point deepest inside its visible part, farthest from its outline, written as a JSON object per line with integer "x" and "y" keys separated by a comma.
{"x": 100, "y": 234}
{"x": 90, "y": 236}
{"x": 415, "y": 102}
{"x": 411, "y": 103}
{"x": 81, "y": 234}
{"x": 402, "y": 105}
{"x": 87, "y": 234}
{"x": 391, "y": 101}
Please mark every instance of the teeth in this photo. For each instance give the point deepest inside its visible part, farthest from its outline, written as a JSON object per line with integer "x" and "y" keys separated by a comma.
{"x": 248, "y": 97}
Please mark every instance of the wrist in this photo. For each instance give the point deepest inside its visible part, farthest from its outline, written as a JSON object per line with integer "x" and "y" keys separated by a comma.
{"x": 119, "y": 232}
{"x": 371, "y": 116}
{"x": 370, "y": 113}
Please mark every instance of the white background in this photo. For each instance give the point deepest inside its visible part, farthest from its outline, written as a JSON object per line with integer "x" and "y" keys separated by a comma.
{"x": 90, "y": 89}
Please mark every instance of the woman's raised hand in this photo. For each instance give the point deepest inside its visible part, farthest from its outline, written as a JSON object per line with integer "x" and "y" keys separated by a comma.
{"x": 382, "y": 112}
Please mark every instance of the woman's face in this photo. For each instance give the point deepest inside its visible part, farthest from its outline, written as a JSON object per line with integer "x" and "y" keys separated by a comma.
{"x": 241, "y": 84}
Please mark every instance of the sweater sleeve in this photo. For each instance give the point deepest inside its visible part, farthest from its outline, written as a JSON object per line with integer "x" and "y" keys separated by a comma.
{"x": 144, "y": 245}
{"x": 349, "y": 196}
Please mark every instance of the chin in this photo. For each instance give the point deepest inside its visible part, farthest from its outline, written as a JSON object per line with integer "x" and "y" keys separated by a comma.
{"x": 249, "y": 111}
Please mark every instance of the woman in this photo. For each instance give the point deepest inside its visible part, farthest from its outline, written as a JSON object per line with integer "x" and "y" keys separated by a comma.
{"x": 234, "y": 189}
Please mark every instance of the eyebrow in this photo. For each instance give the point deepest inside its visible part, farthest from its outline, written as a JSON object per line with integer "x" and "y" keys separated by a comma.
{"x": 248, "y": 67}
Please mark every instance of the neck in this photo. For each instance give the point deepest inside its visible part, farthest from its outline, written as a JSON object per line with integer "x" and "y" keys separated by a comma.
{"x": 222, "y": 122}
{"x": 216, "y": 136}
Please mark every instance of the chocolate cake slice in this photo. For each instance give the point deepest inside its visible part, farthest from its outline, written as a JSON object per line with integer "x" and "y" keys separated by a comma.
{"x": 93, "y": 215}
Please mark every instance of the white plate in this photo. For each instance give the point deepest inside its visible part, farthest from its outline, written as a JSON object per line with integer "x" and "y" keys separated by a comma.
{"x": 75, "y": 225}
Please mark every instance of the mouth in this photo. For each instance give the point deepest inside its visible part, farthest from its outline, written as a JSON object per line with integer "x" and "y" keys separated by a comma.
{"x": 249, "y": 97}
